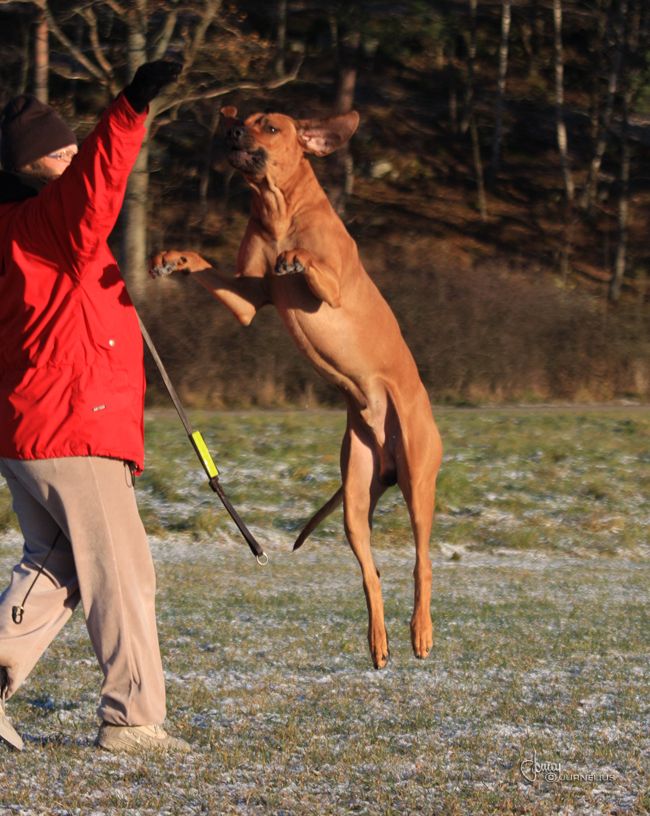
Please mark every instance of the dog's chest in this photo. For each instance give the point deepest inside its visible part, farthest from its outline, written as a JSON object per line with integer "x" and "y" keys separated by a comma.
{"x": 293, "y": 299}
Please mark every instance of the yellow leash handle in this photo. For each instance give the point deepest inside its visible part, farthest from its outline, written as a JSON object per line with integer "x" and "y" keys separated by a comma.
{"x": 204, "y": 454}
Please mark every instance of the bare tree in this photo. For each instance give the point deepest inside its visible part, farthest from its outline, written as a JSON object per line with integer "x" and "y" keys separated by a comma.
{"x": 562, "y": 142}
{"x": 211, "y": 129}
{"x": 591, "y": 185}
{"x": 531, "y": 24}
{"x": 347, "y": 73}
{"x": 25, "y": 61}
{"x": 282, "y": 35}
{"x": 135, "y": 210}
{"x": 600, "y": 26}
{"x": 501, "y": 89}
{"x": 453, "y": 83}
{"x": 341, "y": 161}
{"x": 41, "y": 58}
{"x": 471, "y": 112}
{"x": 630, "y": 79}
{"x": 559, "y": 101}
{"x": 620, "y": 262}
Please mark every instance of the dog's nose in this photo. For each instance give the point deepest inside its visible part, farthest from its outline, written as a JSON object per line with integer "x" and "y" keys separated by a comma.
{"x": 236, "y": 133}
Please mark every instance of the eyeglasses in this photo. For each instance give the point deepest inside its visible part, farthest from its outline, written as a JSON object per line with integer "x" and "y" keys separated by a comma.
{"x": 64, "y": 155}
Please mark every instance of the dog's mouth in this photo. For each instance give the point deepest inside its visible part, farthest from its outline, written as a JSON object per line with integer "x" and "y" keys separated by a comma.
{"x": 244, "y": 153}
{"x": 250, "y": 162}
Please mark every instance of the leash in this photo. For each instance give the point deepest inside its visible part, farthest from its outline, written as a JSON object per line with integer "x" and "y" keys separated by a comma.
{"x": 198, "y": 443}
{"x": 17, "y": 612}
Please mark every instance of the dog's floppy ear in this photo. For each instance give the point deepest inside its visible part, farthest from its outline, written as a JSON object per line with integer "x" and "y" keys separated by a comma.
{"x": 323, "y": 136}
{"x": 229, "y": 118}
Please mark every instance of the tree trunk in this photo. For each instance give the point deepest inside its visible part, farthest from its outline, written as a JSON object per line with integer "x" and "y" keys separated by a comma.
{"x": 452, "y": 75}
{"x": 78, "y": 41}
{"x": 641, "y": 287}
{"x": 347, "y": 74}
{"x": 471, "y": 113}
{"x": 530, "y": 35}
{"x": 621, "y": 244}
{"x": 478, "y": 166}
{"x": 562, "y": 141}
{"x": 133, "y": 256}
{"x": 136, "y": 46}
{"x": 594, "y": 106}
{"x": 133, "y": 262}
{"x": 559, "y": 101}
{"x": 501, "y": 90}
{"x": 341, "y": 161}
{"x": 526, "y": 31}
{"x": 41, "y": 59}
{"x": 25, "y": 60}
{"x": 591, "y": 186}
{"x": 334, "y": 31}
{"x": 205, "y": 171}
{"x": 596, "y": 69}
{"x": 282, "y": 33}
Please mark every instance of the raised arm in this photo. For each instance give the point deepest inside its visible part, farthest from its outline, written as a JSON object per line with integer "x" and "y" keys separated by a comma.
{"x": 87, "y": 198}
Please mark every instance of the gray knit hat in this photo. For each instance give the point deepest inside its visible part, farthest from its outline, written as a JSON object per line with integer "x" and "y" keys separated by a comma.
{"x": 30, "y": 130}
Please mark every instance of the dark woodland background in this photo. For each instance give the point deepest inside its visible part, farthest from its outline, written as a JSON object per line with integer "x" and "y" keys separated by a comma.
{"x": 498, "y": 184}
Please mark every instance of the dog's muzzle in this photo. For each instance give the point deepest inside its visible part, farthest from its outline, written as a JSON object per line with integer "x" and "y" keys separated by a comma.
{"x": 244, "y": 153}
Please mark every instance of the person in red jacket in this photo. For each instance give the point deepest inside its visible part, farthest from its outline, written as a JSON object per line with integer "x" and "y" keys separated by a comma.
{"x": 71, "y": 409}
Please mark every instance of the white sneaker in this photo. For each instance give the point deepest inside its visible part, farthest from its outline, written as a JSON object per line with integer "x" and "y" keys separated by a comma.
{"x": 138, "y": 737}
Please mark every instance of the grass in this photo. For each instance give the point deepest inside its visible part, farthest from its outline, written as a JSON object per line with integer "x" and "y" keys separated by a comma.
{"x": 540, "y": 609}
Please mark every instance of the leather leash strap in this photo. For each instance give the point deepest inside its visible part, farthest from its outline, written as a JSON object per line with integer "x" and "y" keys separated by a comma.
{"x": 198, "y": 443}
{"x": 17, "y": 612}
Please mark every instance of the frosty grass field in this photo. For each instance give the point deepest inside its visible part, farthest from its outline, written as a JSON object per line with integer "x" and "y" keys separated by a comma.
{"x": 541, "y": 576}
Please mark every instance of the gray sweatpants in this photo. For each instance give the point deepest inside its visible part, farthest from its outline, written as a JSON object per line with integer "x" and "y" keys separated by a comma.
{"x": 102, "y": 558}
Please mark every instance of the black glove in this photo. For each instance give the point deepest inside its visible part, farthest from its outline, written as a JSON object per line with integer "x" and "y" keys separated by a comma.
{"x": 148, "y": 82}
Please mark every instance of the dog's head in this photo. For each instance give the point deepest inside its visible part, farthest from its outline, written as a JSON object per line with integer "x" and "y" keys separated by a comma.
{"x": 271, "y": 145}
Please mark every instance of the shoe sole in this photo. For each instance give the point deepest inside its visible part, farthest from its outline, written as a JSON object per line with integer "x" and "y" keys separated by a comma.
{"x": 9, "y": 734}
{"x": 129, "y": 747}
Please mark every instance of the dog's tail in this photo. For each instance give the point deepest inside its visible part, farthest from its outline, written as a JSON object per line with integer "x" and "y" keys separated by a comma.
{"x": 316, "y": 519}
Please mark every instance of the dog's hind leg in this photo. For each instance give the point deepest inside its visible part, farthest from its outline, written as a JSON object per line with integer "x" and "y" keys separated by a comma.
{"x": 362, "y": 489}
{"x": 421, "y": 507}
{"x": 417, "y": 473}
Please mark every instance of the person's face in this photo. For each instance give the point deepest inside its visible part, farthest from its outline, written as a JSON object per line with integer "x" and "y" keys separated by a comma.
{"x": 58, "y": 162}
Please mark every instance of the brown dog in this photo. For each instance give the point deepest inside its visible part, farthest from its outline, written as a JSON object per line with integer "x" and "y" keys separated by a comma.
{"x": 297, "y": 255}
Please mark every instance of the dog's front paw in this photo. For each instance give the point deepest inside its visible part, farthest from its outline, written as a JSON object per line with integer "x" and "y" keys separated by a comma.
{"x": 163, "y": 270}
{"x": 291, "y": 263}
{"x": 164, "y": 263}
{"x": 285, "y": 267}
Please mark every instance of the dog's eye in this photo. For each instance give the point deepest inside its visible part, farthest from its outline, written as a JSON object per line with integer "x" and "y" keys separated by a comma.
{"x": 270, "y": 129}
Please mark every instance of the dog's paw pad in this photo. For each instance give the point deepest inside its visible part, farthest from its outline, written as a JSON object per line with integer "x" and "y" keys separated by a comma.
{"x": 162, "y": 271}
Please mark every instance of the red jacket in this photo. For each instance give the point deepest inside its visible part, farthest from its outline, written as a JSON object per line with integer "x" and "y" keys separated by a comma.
{"x": 71, "y": 367}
